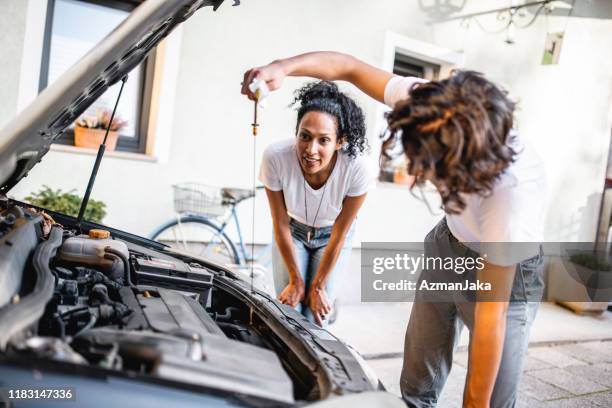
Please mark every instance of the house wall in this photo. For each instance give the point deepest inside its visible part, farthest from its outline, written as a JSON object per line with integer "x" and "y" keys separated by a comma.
{"x": 12, "y": 28}
{"x": 564, "y": 109}
{"x": 210, "y": 138}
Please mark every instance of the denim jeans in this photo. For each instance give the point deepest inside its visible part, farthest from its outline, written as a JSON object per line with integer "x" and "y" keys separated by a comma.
{"x": 435, "y": 327}
{"x": 308, "y": 257}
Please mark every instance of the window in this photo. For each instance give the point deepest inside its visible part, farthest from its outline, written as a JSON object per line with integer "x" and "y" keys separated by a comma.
{"x": 409, "y": 57}
{"x": 74, "y": 27}
{"x": 394, "y": 169}
{"x": 407, "y": 66}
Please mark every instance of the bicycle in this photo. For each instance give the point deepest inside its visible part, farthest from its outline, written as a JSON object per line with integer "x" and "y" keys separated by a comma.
{"x": 202, "y": 215}
{"x": 196, "y": 230}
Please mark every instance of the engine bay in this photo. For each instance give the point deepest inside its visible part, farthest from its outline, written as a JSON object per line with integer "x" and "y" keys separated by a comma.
{"x": 94, "y": 301}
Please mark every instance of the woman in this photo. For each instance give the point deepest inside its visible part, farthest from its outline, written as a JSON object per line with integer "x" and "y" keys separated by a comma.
{"x": 457, "y": 134}
{"x": 316, "y": 184}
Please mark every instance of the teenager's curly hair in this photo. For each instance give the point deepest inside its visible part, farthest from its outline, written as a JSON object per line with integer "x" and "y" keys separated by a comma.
{"x": 456, "y": 131}
{"x": 324, "y": 96}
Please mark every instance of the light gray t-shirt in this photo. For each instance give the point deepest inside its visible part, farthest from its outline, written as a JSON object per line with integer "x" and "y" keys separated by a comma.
{"x": 280, "y": 170}
{"x": 515, "y": 209}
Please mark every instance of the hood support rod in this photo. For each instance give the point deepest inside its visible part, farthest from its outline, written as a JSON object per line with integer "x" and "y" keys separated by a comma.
{"x": 101, "y": 149}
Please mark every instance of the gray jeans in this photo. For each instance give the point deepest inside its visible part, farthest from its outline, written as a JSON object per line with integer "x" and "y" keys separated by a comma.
{"x": 435, "y": 327}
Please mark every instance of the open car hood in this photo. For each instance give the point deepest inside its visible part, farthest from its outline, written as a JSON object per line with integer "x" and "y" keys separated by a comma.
{"x": 26, "y": 139}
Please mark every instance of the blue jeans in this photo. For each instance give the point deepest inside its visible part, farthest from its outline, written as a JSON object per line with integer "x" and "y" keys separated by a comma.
{"x": 308, "y": 257}
{"x": 435, "y": 327}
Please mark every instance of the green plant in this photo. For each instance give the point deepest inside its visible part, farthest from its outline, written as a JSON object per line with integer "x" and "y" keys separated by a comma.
{"x": 67, "y": 203}
{"x": 591, "y": 261}
{"x": 100, "y": 121}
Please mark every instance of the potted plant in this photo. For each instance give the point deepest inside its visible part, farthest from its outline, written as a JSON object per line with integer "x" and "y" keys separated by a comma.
{"x": 595, "y": 272}
{"x": 68, "y": 203}
{"x": 89, "y": 131}
{"x": 580, "y": 277}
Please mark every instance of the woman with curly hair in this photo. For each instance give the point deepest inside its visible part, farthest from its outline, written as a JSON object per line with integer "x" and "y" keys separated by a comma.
{"x": 457, "y": 134}
{"x": 316, "y": 184}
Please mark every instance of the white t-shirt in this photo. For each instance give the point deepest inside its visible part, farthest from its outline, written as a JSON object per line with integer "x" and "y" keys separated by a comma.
{"x": 513, "y": 212}
{"x": 280, "y": 170}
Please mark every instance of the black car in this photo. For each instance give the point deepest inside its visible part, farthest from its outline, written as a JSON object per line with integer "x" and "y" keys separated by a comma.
{"x": 106, "y": 318}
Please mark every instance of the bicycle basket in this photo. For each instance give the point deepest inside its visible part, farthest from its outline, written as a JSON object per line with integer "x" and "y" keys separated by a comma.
{"x": 195, "y": 198}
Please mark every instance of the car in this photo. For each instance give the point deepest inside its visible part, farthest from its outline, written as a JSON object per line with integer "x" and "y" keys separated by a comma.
{"x": 103, "y": 317}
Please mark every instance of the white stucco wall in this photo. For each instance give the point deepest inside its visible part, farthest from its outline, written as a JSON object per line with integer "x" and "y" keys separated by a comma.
{"x": 12, "y": 28}
{"x": 564, "y": 110}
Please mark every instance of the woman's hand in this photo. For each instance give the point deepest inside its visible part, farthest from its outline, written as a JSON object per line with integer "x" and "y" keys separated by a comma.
{"x": 318, "y": 304}
{"x": 293, "y": 294}
{"x": 273, "y": 74}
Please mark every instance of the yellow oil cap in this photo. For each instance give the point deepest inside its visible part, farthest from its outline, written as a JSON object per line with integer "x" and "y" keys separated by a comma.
{"x": 99, "y": 233}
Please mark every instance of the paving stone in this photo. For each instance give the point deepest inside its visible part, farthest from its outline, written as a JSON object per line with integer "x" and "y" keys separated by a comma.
{"x": 603, "y": 399}
{"x": 461, "y": 358}
{"x": 388, "y": 371}
{"x": 576, "y": 402}
{"x": 602, "y": 348}
{"x": 553, "y": 357}
{"x": 560, "y": 378}
{"x": 452, "y": 394}
{"x": 589, "y": 354}
{"x": 607, "y": 367}
{"x": 600, "y": 373}
{"x": 524, "y": 401}
{"x": 531, "y": 363}
{"x": 537, "y": 389}
{"x": 541, "y": 385}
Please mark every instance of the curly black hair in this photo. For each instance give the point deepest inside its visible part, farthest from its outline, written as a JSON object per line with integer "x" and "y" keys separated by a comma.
{"x": 324, "y": 96}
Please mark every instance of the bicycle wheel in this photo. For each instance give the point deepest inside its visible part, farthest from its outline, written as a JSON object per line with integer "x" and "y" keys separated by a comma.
{"x": 200, "y": 237}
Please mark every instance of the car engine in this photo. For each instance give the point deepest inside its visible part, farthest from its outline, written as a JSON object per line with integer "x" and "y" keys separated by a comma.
{"x": 117, "y": 306}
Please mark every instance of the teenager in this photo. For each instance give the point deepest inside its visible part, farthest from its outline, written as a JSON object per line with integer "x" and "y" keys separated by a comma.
{"x": 457, "y": 134}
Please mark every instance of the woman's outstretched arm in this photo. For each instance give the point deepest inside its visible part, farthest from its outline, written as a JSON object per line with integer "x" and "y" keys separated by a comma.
{"x": 326, "y": 65}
